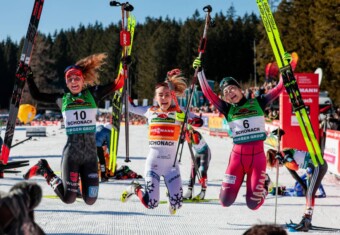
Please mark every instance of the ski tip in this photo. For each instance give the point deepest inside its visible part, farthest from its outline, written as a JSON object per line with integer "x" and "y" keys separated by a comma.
{"x": 4, "y": 154}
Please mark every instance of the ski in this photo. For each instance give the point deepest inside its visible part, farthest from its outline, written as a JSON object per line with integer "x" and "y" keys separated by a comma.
{"x": 201, "y": 50}
{"x": 11, "y": 172}
{"x": 16, "y": 164}
{"x": 126, "y": 41}
{"x": 20, "y": 80}
{"x": 292, "y": 225}
{"x": 290, "y": 83}
{"x": 194, "y": 200}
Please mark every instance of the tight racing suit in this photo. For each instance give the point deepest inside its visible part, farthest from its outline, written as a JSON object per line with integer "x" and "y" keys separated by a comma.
{"x": 163, "y": 134}
{"x": 246, "y": 121}
{"x": 79, "y": 158}
{"x": 202, "y": 158}
{"x": 302, "y": 160}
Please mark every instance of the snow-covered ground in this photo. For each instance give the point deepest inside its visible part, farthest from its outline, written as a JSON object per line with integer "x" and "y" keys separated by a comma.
{"x": 110, "y": 216}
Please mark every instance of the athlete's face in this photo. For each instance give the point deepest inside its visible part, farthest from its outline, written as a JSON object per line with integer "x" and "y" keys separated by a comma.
{"x": 75, "y": 84}
{"x": 232, "y": 94}
{"x": 163, "y": 97}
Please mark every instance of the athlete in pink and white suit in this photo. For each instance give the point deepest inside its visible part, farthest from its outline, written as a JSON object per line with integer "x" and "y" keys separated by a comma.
{"x": 246, "y": 120}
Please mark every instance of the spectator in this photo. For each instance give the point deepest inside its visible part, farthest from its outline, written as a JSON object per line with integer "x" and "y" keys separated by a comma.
{"x": 265, "y": 229}
{"x": 16, "y": 209}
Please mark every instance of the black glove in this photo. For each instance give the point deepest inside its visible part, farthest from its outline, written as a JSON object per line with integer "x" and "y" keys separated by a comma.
{"x": 127, "y": 60}
{"x": 288, "y": 158}
{"x": 23, "y": 72}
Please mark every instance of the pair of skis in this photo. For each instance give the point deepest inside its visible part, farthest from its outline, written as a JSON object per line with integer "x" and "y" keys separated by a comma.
{"x": 21, "y": 75}
{"x": 291, "y": 227}
{"x": 290, "y": 83}
{"x": 201, "y": 49}
{"x": 126, "y": 39}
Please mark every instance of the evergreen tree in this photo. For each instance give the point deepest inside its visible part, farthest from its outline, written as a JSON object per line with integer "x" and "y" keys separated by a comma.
{"x": 8, "y": 61}
{"x": 309, "y": 28}
{"x": 43, "y": 68}
{"x": 327, "y": 43}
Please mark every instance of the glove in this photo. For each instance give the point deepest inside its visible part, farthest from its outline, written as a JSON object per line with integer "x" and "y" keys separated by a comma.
{"x": 22, "y": 71}
{"x": 288, "y": 158}
{"x": 196, "y": 121}
{"x": 180, "y": 116}
{"x": 287, "y": 57}
{"x": 29, "y": 73}
{"x": 174, "y": 72}
{"x": 197, "y": 63}
{"x": 127, "y": 60}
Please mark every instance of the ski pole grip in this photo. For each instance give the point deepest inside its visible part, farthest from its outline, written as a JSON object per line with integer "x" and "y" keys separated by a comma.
{"x": 128, "y": 7}
{"x": 212, "y": 23}
{"x": 127, "y": 60}
{"x": 207, "y": 8}
{"x": 114, "y": 3}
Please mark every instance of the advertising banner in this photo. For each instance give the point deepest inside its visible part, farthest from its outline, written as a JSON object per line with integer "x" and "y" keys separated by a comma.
{"x": 309, "y": 89}
{"x": 332, "y": 151}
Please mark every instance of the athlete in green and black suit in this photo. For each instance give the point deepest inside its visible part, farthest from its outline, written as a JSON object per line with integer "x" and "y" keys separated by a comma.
{"x": 79, "y": 108}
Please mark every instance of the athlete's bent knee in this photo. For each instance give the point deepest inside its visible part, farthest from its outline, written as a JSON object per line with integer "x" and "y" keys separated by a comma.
{"x": 90, "y": 201}
{"x": 226, "y": 201}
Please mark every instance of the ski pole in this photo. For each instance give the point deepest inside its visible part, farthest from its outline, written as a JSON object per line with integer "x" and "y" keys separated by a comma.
{"x": 201, "y": 50}
{"x": 21, "y": 141}
{"x": 125, "y": 42}
{"x": 279, "y": 133}
{"x": 194, "y": 162}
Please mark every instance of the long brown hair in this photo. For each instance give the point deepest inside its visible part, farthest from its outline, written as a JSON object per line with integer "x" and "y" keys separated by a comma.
{"x": 270, "y": 157}
{"x": 90, "y": 66}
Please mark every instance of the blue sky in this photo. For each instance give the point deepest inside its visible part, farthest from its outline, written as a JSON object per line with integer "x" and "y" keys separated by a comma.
{"x": 64, "y": 14}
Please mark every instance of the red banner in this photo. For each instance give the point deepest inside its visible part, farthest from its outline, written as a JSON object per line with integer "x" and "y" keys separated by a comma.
{"x": 309, "y": 89}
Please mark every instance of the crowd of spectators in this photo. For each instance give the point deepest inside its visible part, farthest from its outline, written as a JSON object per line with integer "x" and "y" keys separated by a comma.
{"x": 272, "y": 112}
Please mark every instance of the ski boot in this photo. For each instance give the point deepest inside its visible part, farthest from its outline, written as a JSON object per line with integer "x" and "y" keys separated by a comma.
{"x": 172, "y": 210}
{"x": 304, "y": 225}
{"x": 188, "y": 194}
{"x": 103, "y": 177}
{"x": 201, "y": 195}
{"x": 41, "y": 168}
{"x": 267, "y": 183}
{"x": 130, "y": 190}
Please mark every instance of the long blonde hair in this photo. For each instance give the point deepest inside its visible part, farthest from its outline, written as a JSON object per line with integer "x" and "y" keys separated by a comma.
{"x": 174, "y": 81}
{"x": 90, "y": 67}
